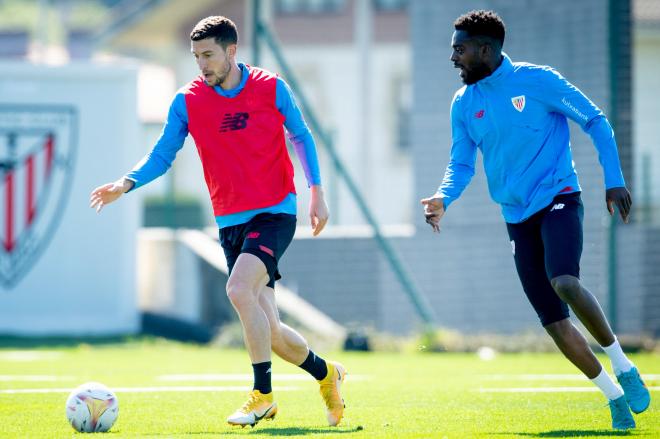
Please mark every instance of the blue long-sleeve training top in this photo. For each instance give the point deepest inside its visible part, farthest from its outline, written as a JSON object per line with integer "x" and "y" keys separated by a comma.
{"x": 175, "y": 131}
{"x": 517, "y": 118}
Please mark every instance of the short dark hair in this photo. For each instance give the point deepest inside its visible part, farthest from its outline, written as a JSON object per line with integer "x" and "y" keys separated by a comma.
{"x": 222, "y": 29}
{"x": 482, "y": 23}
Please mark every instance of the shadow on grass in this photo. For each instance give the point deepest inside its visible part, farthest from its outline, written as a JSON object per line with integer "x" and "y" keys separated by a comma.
{"x": 573, "y": 433}
{"x": 284, "y": 431}
{"x": 300, "y": 431}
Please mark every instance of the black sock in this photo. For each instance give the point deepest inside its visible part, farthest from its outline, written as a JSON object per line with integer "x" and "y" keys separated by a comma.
{"x": 262, "y": 377}
{"x": 315, "y": 365}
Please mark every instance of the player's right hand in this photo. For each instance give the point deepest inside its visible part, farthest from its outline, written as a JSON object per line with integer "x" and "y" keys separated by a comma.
{"x": 434, "y": 209}
{"x": 108, "y": 193}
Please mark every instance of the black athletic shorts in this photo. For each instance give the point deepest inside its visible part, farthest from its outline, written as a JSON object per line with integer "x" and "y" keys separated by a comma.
{"x": 266, "y": 236}
{"x": 546, "y": 245}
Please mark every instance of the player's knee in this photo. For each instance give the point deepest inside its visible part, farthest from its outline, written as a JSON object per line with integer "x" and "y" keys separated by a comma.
{"x": 239, "y": 293}
{"x": 567, "y": 287}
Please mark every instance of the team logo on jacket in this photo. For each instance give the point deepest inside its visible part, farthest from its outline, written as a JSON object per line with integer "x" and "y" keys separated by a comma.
{"x": 37, "y": 156}
{"x": 234, "y": 121}
{"x": 518, "y": 103}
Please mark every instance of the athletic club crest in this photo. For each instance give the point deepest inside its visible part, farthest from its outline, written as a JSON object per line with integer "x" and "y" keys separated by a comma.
{"x": 37, "y": 154}
{"x": 518, "y": 103}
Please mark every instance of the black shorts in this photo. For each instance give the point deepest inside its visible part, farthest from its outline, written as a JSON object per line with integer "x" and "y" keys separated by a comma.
{"x": 547, "y": 245}
{"x": 266, "y": 236}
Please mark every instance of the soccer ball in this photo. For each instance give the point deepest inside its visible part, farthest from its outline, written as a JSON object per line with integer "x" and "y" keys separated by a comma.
{"x": 92, "y": 407}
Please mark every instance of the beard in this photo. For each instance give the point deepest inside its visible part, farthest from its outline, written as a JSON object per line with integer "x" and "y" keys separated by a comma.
{"x": 475, "y": 73}
{"x": 218, "y": 77}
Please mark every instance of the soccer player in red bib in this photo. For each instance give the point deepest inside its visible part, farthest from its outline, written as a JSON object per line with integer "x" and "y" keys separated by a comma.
{"x": 236, "y": 114}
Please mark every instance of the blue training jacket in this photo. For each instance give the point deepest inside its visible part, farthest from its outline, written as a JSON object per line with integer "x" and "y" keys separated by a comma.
{"x": 516, "y": 117}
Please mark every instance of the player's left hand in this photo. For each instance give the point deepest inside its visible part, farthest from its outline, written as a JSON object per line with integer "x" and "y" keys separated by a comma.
{"x": 619, "y": 196}
{"x": 318, "y": 210}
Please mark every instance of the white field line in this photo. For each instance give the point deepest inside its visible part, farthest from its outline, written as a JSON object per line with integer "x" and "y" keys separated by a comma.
{"x": 35, "y": 378}
{"x": 246, "y": 377}
{"x": 178, "y": 378}
{"x": 548, "y": 377}
{"x": 546, "y": 389}
{"x": 158, "y": 389}
{"x": 31, "y": 355}
{"x": 551, "y": 377}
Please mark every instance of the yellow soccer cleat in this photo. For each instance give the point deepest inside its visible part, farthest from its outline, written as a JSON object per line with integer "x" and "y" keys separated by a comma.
{"x": 257, "y": 407}
{"x": 330, "y": 391}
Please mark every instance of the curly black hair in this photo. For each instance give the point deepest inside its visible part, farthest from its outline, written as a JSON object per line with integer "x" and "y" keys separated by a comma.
{"x": 222, "y": 29}
{"x": 482, "y": 23}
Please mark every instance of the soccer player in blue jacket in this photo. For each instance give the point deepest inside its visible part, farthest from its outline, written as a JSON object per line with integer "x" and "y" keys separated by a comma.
{"x": 516, "y": 115}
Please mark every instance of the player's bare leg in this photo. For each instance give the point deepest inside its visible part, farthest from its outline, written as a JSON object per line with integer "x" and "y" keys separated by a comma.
{"x": 588, "y": 310}
{"x": 574, "y": 347}
{"x": 248, "y": 277}
{"x": 288, "y": 344}
{"x": 243, "y": 288}
{"x": 585, "y": 306}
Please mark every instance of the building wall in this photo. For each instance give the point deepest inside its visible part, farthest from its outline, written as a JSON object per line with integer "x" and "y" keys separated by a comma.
{"x": 647, "y": 172}
{"x": 646, "y": 127}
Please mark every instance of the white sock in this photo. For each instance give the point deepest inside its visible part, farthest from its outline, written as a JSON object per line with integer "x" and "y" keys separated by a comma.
{"x": 607, "y": 386}
{"x": 620, "y": 363}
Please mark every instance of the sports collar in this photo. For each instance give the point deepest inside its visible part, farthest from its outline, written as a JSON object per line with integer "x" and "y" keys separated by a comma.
{"x": 504, "y": 68}
{"x": 245, "y": 73}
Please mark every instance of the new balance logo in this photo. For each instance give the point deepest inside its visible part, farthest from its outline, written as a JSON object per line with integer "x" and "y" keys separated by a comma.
{"x": 557, "y": 207}
{"x": 234, "y": 121}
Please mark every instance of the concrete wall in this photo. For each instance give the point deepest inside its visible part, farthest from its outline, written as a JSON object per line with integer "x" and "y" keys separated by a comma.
{"x": 647, "y": 108}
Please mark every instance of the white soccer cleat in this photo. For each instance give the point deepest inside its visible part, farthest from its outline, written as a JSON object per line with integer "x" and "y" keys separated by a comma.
{"x": 257, "y": 407}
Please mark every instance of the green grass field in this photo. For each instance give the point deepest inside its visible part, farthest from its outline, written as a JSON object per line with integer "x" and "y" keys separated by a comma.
{"x": 388, "y": 395}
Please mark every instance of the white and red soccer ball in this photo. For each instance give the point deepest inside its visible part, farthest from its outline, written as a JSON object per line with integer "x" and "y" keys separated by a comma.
{"x": 92, "y": 407}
